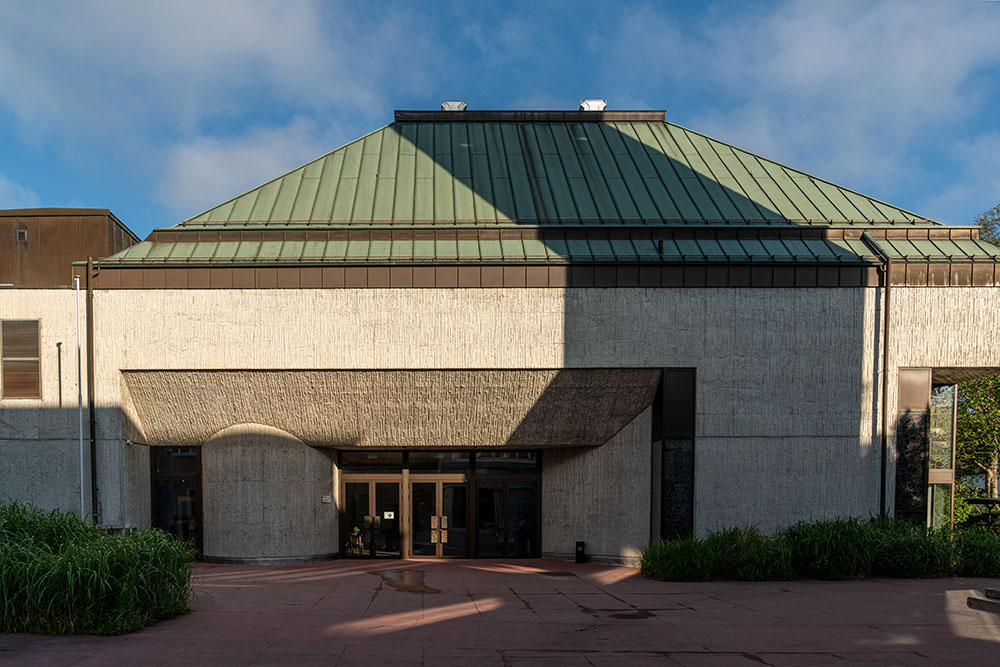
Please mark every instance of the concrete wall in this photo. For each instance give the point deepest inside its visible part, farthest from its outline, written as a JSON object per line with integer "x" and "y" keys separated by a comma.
{"x": 262, "y": 496}
{"x": 785, "y": 376}
{"x": 39, "y": 438}
{"x": 599, "y": 495}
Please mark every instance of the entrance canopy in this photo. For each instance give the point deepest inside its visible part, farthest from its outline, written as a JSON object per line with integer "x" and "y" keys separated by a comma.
{"x": 389, "y": 408}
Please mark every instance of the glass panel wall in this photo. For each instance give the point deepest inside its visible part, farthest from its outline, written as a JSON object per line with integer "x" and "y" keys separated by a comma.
{"x": 176, "y": 491}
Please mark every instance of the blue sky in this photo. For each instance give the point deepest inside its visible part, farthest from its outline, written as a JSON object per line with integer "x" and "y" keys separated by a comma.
{"x": 160, "y": 110}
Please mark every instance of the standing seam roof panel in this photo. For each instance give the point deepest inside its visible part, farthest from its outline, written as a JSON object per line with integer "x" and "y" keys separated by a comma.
{"x": 686, "y": 174}
{"x": 670, "y": 179}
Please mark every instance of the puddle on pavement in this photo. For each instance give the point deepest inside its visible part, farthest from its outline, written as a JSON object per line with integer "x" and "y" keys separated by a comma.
{"x": 557, "y": 574}
{"x": 405, "y": 581}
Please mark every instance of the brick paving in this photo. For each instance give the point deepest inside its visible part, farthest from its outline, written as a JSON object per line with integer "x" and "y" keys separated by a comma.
{"x": 491, "y": 612}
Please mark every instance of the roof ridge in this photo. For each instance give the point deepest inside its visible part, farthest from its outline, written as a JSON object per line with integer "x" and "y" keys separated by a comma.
{"x": 916, "y": 216}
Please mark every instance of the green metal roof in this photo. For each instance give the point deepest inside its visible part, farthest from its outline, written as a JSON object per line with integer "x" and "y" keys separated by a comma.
{"x": 550, "y": 250}
{"x": 501, "y": 173}
{"x": 548, "y": 187}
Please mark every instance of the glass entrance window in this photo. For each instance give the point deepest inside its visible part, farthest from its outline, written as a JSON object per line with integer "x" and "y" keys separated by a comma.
{"x": 506, "y": 518}
{"x": 356, "y": 502}
{"x": 423, "y": 518}
{"x": 439, "y": 504}
{"x": 521, "y": 539}
{"x": 371, "y": 519}
{"x": 176, "y": 491}
{"x": 491, "y": 515}
{"x": 386, "y": 515}
{"x": 176, "y": 507}
{"x": 454, "y": 514}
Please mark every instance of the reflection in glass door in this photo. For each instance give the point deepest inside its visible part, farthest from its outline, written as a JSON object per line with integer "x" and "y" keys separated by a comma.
{"x": 439, "y": 519}
{"x": 176, "y": 490}
{"x": 505, "y": 520}
{"x": 371, "y": 519}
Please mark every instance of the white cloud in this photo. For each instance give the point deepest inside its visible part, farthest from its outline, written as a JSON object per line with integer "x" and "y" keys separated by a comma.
{"x": 15, "y": 195}
{"x": 206, "y": 170}
{"x": 849, "y": 90}
{"x": 119, "y": 72}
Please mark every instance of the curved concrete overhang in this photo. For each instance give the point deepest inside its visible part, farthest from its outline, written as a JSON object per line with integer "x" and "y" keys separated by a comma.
{"x": 395, "y": 408}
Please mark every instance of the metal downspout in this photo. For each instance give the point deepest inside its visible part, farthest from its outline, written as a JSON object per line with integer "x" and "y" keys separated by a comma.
{"x": 883, "y": 467}
{"x": 90, "y": 389}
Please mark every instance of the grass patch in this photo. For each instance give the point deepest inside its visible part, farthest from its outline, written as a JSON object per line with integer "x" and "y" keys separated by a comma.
{"x": 689, "y": 559}
{"x": 832, "y": 549}
{"x": 909, "y": 551}
{"x": 978, "y": 553}
{"x": 60, "y": 575}
{"x": 745, "y": 554}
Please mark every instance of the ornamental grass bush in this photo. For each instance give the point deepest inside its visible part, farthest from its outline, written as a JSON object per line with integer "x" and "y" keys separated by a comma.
{"x": 909, "y": 551}
{"x": 833, "y": 549}
{"x": 688, "y": 559}
{"x": 745, "y": 554}
{"x": 977, "y": 553}
{"x": 61, "y": 575}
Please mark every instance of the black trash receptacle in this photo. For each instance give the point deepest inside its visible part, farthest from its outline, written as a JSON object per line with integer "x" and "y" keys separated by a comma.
{"x": 581, "y": 556}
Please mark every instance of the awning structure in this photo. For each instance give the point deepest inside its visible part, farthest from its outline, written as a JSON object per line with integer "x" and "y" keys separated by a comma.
{"x": 395, "y": 409}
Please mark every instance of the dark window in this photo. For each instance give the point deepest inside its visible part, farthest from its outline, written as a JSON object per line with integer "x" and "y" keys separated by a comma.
{"x": 371, "y": 462}
{"x": 506, "y": 463}
{"x": 443, "y": 462}
{"x": 20, "y": 362}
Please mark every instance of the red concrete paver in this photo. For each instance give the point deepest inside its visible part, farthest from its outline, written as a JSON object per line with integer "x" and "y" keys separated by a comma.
{"x": 529, "y": 612}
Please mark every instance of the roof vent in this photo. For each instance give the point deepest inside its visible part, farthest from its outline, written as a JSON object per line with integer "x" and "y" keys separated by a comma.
{"x": 454, "y": 105}
{"x": 593, "y": 105}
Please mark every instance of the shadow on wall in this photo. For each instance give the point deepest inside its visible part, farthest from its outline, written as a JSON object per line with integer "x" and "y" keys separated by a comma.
{"x": 785, "y": 376}
{"x": 40, "y": 449}
{"x": 264, "y": 493}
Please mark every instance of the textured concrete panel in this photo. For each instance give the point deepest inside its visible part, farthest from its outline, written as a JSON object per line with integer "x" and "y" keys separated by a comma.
{"x": 45, "y": 473}
{"x": 522, "y": 409}
{"x": 600, "y": 496}
{"x": 776, "y": 482}
{"x": 262, "y": 496}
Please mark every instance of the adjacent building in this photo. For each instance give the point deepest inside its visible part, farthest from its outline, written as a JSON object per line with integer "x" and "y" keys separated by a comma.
{"x": 502, "y": 333}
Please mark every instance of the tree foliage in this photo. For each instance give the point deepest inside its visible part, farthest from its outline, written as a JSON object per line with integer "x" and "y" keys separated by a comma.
{"x": 989, "y": 225}
{"x": 978, "y": 433}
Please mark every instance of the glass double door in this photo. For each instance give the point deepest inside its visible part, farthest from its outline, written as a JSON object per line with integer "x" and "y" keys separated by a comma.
{"x": 439, "y": 518}
{"x": 506, "y": 521}
{"x": 372, "y": 519}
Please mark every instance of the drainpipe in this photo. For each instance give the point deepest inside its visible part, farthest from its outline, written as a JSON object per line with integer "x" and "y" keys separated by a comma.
{"x": 886, "y": 265}
{"x": 90, "y": 389}
{"x": 79, "y": 391}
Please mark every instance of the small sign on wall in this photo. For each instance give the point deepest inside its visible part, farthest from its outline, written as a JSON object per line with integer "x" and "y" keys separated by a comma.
{"x": 327, "y": 500}
{"x": 388, "y": 515}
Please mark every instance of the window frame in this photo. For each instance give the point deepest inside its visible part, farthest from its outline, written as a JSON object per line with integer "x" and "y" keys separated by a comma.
{"x": 37, "y": 359}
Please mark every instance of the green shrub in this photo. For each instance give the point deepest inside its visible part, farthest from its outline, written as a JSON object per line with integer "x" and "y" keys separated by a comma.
{"x": 60, "y": 575}
{"x": 745, "y": 554}
{"x": 689, "y": 559}
{"x": 911, "y": 551}
{"x": 833, "y": 549}
{"x": 978, "y": 553}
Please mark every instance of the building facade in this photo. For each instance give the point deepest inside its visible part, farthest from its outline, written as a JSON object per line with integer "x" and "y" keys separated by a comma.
{"x": 504, "y": 333}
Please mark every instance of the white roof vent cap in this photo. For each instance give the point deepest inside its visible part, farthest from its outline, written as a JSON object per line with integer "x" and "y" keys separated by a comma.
{"x": 593, "y": 105}
{"x": 454, "y": 105}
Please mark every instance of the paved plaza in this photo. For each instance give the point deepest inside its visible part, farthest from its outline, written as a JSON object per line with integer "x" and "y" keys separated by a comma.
{"x": 488, "y": 612}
